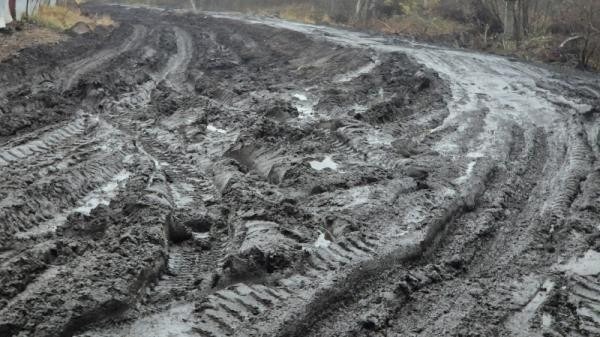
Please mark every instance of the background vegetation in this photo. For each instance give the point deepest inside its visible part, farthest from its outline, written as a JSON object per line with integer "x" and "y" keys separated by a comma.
{"x": 54, "y": 14}
{"x": 566, "y": 31}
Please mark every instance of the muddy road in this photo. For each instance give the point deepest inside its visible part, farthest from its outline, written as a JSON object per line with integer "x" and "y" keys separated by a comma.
{"x": 211, "y": 174}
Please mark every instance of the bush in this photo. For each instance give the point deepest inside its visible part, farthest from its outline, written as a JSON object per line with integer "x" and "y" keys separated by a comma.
{"x": 420, "y": 26}
{"x": 453, "y": 10}
{"x": 482, "y": 16}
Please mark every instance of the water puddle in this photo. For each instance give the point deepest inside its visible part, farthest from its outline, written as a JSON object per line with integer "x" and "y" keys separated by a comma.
{"x": 304, "y": 105}
{"x": 104, "y": 195}
{"x": 588, "y": 265}
{"x": 213, "y": 128}
{"x": 367, "y": 68}
{"x": 475, "y": 155}
{"x": 380, "y": 138}
{"x": 359, "y": 108}
{"x": 176, "y": 321}
{"x": 200, "y": 236}
{"x": 181, "y": 194}
{"x": 301, "y": 97}
{"x": 520, "y": 323}
{"x": 326, "y": 163}
{"x": 101, "y": 196}
{"x": 539, "y": 298}
{"x": 322, "y": 242}
{"x": 547, "y": 320}
{"x": 463, "y": 179}
{"x": 356, "y": 196}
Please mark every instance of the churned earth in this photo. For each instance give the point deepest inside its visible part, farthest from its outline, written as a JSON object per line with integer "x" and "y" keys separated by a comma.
{"x": 212, "y": 174}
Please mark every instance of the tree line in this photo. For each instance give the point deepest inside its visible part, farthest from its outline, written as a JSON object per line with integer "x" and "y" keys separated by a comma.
{"x": 511, "y": 22}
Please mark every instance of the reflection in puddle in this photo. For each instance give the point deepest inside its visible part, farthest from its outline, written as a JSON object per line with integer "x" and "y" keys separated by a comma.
{"x": 100, "y": 196}
{"x": 104, "y": 195}
{"x": 464, "y": 178}
{"x": 379, "y": 138}
{"x": 587, "y": 265}
{"x": 322, "y": 242}
{"x": 327, "y": 163}
{"x": 304, "y": 106}
{"x": 367, "y": 68}
{"x": 213, "y": 128}
{"x": 546, "y": 320}
{"x": 181, "y": 194}
{"x": 201, "y": 236}
{"x": 519, "y": 324}
{"x": 301, "y": 97}
{"x": 175, "y": 321}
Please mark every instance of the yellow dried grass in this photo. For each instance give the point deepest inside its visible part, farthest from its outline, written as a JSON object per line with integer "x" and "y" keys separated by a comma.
{"x": 62, "y": 18}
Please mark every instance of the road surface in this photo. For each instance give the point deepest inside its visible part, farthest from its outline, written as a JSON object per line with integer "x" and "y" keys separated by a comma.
{"x": 214, "y": 174}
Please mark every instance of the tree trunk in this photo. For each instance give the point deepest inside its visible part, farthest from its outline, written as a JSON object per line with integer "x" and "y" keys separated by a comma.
{"x": 363, "y": 8}
{"x": 524, "y": 8}
{"x": 12, "y": 5}
{"x": 509, "y": 20}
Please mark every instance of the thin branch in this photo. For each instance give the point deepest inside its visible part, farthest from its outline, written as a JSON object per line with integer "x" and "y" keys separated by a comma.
{"x": 573, "y": 38}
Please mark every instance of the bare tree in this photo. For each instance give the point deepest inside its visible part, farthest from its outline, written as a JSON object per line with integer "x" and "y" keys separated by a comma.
{"x": 583, "y": 17}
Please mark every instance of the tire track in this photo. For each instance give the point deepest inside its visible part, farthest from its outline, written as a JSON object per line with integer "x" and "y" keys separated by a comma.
{"x": 44, "y": 143}
{"x": 466, "y": 237}
{"x": 175, "y": 70}
{"x": 41, "y": 208}
{"x": 76, "y": 70}
{"x": 160, "y": 145}
{"x": 253, "y": 233}
{"x": 73, "y": 169}
{"x": 467, "y": 135}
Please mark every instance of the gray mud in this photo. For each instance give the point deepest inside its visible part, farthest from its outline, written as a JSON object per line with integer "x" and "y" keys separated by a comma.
{"x": 219, "y": 175}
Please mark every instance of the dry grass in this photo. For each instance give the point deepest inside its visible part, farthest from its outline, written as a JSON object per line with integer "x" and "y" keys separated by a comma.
{"x": 412, "y": 24}
{"x": 418, "y": 26}
{"x": 62, "y": 18}
{"x": 304, "y": 13}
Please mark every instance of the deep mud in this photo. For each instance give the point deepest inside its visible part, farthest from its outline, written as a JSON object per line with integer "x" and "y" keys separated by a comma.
{"x": 218, "y": 175}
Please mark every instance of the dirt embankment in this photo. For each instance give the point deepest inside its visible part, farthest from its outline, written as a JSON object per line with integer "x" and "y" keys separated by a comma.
{"x": 12, "y": 42}
{"x": 196, "y": 175}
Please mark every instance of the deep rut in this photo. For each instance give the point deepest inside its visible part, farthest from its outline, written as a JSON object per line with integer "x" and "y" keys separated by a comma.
{"x": 76, "y": 70}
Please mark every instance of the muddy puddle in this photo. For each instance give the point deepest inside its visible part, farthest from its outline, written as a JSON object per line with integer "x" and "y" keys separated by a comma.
{"x": 326, "y": 163}
{"x": 304, "y": 104}
{"x": 213, "y": 128}
{"x": 174, "y": 321}
{"x": 367, "y": 68}
{"x": 586, "y": 265}
{"x": 101, "y": 196}
{"x": 519, "y": 323}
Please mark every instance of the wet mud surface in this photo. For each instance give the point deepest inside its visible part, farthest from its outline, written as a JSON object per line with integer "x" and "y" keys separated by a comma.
{"x": 212, "y": 174}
